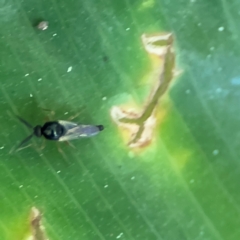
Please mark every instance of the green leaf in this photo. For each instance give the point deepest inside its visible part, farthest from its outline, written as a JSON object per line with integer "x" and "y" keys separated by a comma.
{"x": 183, "y": 185}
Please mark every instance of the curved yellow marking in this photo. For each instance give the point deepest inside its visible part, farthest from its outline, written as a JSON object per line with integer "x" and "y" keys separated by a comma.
{"x": 141, "y": 124}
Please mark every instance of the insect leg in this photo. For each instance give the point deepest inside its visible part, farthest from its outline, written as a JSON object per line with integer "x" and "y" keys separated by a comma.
{"x": 20, "y": 146}
{"x": 43, "y": 145}
{"x": 70, "y": 144}
{"x": 74, "y": 116}
{"x": 19, "y": 149}
{"x": 48, "y": 110}
{"x": 51, "y": 113}
{"x": 63, "y": 154}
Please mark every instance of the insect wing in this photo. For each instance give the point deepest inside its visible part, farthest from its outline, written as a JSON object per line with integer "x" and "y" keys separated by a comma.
{"x": 75, "y": 131}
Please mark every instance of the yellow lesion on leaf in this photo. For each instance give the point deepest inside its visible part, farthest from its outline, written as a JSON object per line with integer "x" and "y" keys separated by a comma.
{"x": 37, "y": 230}
{"x": 141, "y": 124}
{"x": 181, "y": 157}
{"x": 27, "y": 227}
{"x": 146, "y": 4}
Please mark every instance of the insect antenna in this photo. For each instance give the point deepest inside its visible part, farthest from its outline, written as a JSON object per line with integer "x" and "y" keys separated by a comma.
{"x": 15, "y": 149}
{"x": 25, "y": 122}
{"x": 24, "y": 141}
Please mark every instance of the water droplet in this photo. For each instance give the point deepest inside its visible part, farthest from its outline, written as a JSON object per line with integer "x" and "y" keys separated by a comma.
{"x": 119, "y": 235}
{"x": 215, "y": 152}
{"x": 220, "y": 29}
{"x": 69, "y": 69}
{"x": 218, "y": 90}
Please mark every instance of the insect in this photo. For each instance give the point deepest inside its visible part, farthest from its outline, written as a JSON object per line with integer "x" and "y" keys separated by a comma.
{"x": 60, "y": 131}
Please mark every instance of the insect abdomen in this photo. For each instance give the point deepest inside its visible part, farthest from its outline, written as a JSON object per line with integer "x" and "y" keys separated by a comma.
{"x": 90, "y": 130}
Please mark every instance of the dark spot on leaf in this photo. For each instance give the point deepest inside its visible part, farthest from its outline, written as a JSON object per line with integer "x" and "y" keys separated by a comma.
{"x": 105, "y": 58}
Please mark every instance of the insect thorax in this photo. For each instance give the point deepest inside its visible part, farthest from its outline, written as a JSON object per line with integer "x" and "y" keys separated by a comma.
{"x": 53, "y": 130}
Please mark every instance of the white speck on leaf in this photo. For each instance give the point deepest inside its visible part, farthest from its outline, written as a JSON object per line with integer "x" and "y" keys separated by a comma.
{"x": 27, "y": 74}
{"x": 69, "y": 69}
{"x": 105, "y": 186}
{"x": 235, "y": 81}
{"x": 220, "y": 29}
{"x": 40, "y": 79}
{"x": 54, "y": 34}
{"x": 127, "y": 29}
{"x": 58, "y": 171}
{"x": 119, "y": 235}
{"x": 212, "y": 48}
{"x": 20, "y": 186}
{"x": 132, "y": 178}
{"x": 43, "y": 25}
{"x": 104, "y": 98}
{"x": 31, "y": 95}
{"x": 66, "y": 113}
{"x": 2, "y": 147}
{"x": 215, "y": 152}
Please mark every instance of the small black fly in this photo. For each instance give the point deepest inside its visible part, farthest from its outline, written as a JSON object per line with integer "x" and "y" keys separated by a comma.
{"x": 60, "y": 131}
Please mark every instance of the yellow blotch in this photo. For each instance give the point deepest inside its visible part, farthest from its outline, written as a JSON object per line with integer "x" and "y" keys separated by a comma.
{"x": 146, "y": 4}
{"x": 182, "y": 157}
